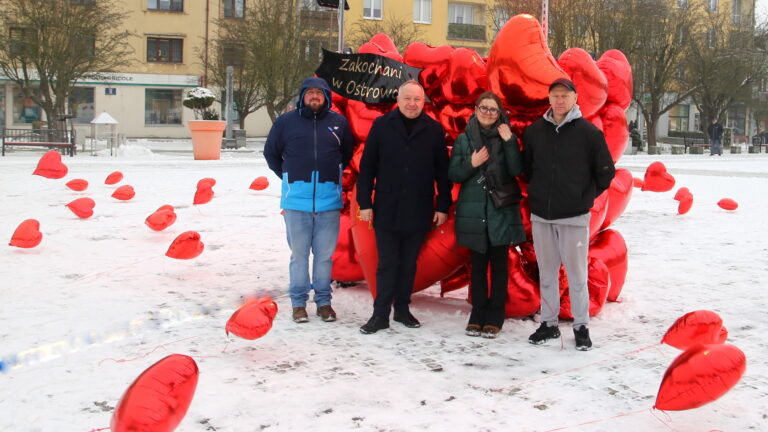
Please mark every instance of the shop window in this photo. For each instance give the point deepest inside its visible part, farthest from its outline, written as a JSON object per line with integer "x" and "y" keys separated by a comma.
{"x": 162, "y": 107}
{"x": 25, "y": 110}
{"x": 678, "y": 118}
{"x": 81, "y": 104}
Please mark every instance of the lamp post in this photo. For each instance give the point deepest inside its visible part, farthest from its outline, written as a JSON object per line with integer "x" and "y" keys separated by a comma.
{"x": 545, "y": 18}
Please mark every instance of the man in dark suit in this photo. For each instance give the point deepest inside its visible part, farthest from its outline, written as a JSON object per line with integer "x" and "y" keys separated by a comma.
{"x": 405, "y": 154}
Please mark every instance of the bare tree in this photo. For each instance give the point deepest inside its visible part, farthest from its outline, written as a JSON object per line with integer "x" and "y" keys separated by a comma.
{"x": 402, "y": 31}
{"x": 47, "y": 46}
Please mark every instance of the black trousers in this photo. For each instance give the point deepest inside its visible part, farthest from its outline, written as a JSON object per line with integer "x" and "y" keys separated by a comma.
{"x": 398, "y": 252}
{"x": 488, "y": 308}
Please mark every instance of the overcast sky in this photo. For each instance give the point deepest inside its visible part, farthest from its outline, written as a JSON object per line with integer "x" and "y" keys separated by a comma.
{"x": 761, "y": 11}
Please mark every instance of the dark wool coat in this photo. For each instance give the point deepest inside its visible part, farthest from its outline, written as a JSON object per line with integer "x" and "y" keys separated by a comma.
{"x": 477, "y": 220}
{"x": 405, "y": 169}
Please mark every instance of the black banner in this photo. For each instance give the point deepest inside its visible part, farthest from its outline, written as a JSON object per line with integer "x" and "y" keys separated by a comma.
{"x": 368, "y": 78}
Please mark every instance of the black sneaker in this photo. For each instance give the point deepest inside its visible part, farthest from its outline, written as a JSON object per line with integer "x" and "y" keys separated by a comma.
{"x": 375, "y": 324}
{"x": 406, "y": 319}
{"x": 583, "y": 342}
{"x": 543, "y": 334}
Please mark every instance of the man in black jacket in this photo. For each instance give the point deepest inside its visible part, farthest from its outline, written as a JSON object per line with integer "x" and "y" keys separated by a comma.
{"x": 715, "y": 132}
{"x": 567, "y": 164}
{"x": 405, "y": 154}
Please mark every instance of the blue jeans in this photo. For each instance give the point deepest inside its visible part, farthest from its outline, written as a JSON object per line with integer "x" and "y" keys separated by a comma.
{"x": 715, "y": 147}
{"x": 317, "y": 232}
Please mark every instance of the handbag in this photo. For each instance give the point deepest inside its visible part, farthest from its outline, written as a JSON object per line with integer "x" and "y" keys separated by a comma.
{"x": 504, "y": 196}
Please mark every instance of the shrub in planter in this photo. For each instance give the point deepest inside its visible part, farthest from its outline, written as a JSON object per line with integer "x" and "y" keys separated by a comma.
{"x": 199, "y": 100}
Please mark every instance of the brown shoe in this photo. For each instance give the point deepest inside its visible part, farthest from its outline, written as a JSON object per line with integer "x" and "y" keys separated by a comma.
{"x": 300, "y": 315}
{"x": 472, "y": 330}
{"x": 490, "y": 331}
{"x": 326, "y": 313}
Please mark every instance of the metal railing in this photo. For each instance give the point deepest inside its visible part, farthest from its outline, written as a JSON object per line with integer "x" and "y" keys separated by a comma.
{"x": 473, "y": 32}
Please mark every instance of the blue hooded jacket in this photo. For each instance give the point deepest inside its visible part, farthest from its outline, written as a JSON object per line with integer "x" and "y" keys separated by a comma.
{"x": 308, "y": 151}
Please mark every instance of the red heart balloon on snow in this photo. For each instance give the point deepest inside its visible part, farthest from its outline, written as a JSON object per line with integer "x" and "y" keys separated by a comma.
{"x": 346, "y": 266}
{"x": 260, "y": 183}
{"x": 203, "y": 195}
{"x": 686, "y": 202}
{"x": 82, "y": 207}
{"x": 657, "y": 179}
{"x": 161, "y": 219}
{"x": 50, "y": 166}
{"x": 124, "y": 193}
{"x": 591, "y": 84}
{"x": 253, "y": 319}
{"x": 728, "y": 204}
{"x": 598, "y": 284}
{"x": 186, "y": 246}
{"x": 523, "y": 297}
{"x": 609, "y": 247}
{"x": 78, "y": 185}
{"x": 683, "y": 191}
{"x": 27, "y": 234}
{"x": 113, "y": 178}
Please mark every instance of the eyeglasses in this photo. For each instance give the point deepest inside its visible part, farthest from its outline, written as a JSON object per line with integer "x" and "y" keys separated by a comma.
{"x": 487, "y": 110}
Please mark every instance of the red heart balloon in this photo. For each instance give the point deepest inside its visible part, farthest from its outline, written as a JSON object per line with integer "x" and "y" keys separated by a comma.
{"x": 113, "y": 178}
{"x": 609, "y": 247}
{"x": 78, "y": 185}
{"x": 362, "y": 115}
{"x": 700, "y": 375}
{"x": 521, "y": 67}
{"x": 454, "y": 119}
{"x": 615, "y": 130}
{"x": 186, "y": 246}
{"x": 253, "y": 320}
{"x": 657, "y": 179}
{"x": 523, "y": 297}
{"x": 591, "y": 84}
{"x": 27, "y": 234}
{"x": 204, "y": 194}
{"x": 166, "y": 207}
{"x": 723, "y": 336}
{"x": 381, "y": 44}
{"x": 728, "y": 204}
{"x": 459, "y": 279}
{"x": 596, "y": 120}
{"x": 686, "y": 202}
{"x": 466, "y": 78}
{"x": 619, "y": 194}
{"x": 693, "y": 328}
{"x": 124, "y": 193}
{"x": 617, "y": 70}
{"x": 598, "y": 284}
{"x": 597, "y": 213}
{"x": 159, "y": 398}
{"x": 683, "y": 191}
{"x": 50, "y": 166}
{"x": 260, "y": 183}
{"x": 433, "y": 61}
{"x": 206, "y": 182}
{"x": 638, "y": 183}
{"x": 161, "y": 219}
{"x": 82, "y": 207}
{"x": 346, "y": 267}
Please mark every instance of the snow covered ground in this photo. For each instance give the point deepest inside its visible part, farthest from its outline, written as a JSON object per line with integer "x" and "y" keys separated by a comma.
{"x": 97, "y": 302}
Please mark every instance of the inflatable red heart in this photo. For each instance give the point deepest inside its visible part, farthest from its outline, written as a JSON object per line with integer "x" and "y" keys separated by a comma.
{"x": 521, "y": 67}
{"x": 683, "y": 191}
{"x": 161, "y": 219}
{"x": 598, "y": 284}
{"x": 260, "y": 183}
{"x": 617, "y": 70}
{"x": 597, "y": 213}
{"x": 638, "y": 183}
{"x": 186, "y": 246}
{"x": 686, "y": 202}
{"x": 619, "y": 194}
{"x": 124, "y": 193}
{"x": 253, "y": 319}
{"x": 203, "y": 195}
{"x": 433, "y": 61}
{"x": 693, "y": 328}
{"x": 522, "y": 291}
{"x": 27, "y": 234}
{"x": 466, "y": 78}
{"x": 82, "y": 207}
{"x": 459, "y": 279}
{"x": 50, "y": 166}
{"x": 657, "y": 179}
{"x": 346, "y": 267}
{"x": 728, "y": 204}
{"x": 454, "y": 119}
{"x": 78, "y": 185}
{"x": 700, "y": 375}
{"x": 609, "y": 247}
{"x": 591, "y": 84}
{"x": 113, "y": 178}
{"x": 381, "y": 44}
{"x": 615, "y": 130}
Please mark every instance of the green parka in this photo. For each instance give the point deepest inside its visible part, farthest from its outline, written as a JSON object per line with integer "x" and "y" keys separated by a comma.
{"x": 476, "y": 217}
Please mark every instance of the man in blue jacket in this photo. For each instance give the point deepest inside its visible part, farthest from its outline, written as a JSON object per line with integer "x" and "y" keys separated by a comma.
{"x": 308, "y": 148}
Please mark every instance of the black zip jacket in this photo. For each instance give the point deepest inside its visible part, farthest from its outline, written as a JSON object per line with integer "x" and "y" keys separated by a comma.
{"x": 566, "y": 169}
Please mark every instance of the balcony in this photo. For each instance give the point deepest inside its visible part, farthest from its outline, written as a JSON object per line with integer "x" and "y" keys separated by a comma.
{"x": 469, "y": 32}
{"x": 323, "y": 20}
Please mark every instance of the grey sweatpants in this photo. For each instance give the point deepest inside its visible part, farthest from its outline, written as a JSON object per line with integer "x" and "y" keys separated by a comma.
{"x": 566, "y": 241}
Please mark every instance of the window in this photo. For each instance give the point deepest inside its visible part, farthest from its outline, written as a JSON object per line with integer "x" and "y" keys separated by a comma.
{"x": 422, "y": 11}
{"x": 372, "y": 9}
{"x": 19, "y": 37}
{"x": 460, "y": 14}
{"x": 678, "y": 118}
{"x": 81, "y": 104}
{"x": 736, "y": 14}
{"x": 165, "y": 50}
{"x": 25, "y": 110}
{"x": 162, "y": 107}
{"x": 166, "y": 5}
{"x": 711, "y": 38}
{"x": 682, "y": 4}
{"x": 712, "y": 5}
{"x": 234, "y": 8}
{"x": 737, "y": 119}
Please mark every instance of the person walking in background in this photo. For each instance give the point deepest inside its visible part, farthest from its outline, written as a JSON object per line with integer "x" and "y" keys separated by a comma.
{"x": 567, "y": 164}
{"x": 405, "y": 155}
{"x": 308, "y": 148}
{"x": 485, "y": 160}
{"x": 715, "y": 133}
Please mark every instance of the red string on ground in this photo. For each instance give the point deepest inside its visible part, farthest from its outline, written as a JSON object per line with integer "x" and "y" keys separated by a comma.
{"x": 144, "y": 355}
{"x": 595, "y": 421}
{"x": 97, "y": 430}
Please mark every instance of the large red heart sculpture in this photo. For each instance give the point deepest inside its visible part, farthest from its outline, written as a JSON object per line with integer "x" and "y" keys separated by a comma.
{"x": 699, "y": 376}
{"x": 466, "y": 79}
{"x": 82, "y": 207}
{"x": 657, "y": 179}
{"x": 618, "y": 72}
{"x": 619, "y": 194}
{"x": 186, "y": 246}
{"x": 434, "y": 63}
{"x": 521, "y": 67}
{"x": 381, "y": 44}
{"x": 27, "y": 234}
{"x": 615, "y": 129}
{"x": 591, "y": 84}
{"x": 609, "y": 247}
{"x": 50, "y": 166}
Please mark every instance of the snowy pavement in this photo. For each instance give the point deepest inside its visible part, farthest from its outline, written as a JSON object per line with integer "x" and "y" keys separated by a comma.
{"x": 97, "y": 302}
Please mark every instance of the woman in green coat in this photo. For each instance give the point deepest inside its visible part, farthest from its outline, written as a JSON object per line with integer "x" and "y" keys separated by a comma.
{"x": 487, "y": 157}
